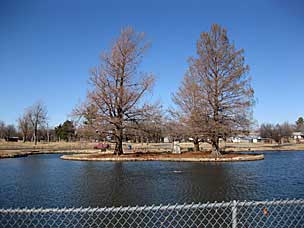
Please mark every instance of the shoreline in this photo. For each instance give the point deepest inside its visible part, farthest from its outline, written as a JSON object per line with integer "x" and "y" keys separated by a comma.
{"x": 13, "y": 150}
{"x": 17, "y": 154}
{"x": 185, "y": 157}
{"x": 90, "y": 152}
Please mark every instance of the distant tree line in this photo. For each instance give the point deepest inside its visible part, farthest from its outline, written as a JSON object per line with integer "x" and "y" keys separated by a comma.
{"x": 299, "y": 126}
{"x": 281, "y": 132}
{"x": 32, "y": 126}
{"x": 276, "y": 132}
{"x": 7, "y": 131}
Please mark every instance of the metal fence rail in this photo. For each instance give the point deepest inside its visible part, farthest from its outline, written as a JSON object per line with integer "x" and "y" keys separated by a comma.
{"x": 276, "y": 213}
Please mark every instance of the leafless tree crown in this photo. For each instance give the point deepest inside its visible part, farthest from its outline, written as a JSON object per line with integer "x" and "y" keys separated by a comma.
{"x": 116, "y": 98}
{"x": 216, "y": 91}
{"x": 37, "y": 115}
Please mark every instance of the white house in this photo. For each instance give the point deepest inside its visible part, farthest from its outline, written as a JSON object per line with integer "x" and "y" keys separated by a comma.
{"x": 298, "y": 135}
{"x": 245, "y": 139}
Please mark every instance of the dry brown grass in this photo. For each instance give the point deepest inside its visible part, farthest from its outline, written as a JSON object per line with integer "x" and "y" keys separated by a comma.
{"x": 185, "y": 157}
{"x": 50, "y": 146}
{"x": 15, "y": 149}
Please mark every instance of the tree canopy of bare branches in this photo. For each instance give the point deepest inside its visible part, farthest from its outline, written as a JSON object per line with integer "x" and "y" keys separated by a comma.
{"x": 25, "y": 125}
{"x": 2, "y": 129}
{"x": 216, "y": 95}
{"x": 150, "y": 128}
{"x": 37, "y": 115}
{"x": 118, "y": 89}
{"x": 276, "y": 132}
{"x": 190, "y": 114}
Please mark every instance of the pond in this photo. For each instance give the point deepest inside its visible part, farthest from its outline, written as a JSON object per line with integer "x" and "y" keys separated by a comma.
{"x": 47, "y": 181}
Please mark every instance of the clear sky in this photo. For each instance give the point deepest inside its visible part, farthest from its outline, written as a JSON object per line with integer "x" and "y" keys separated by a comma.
{"x": 48, "y": 47}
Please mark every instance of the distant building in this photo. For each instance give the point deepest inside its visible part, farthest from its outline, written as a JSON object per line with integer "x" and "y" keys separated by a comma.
{"x": 166, "y": 140}
{"x": 245, "y": 139}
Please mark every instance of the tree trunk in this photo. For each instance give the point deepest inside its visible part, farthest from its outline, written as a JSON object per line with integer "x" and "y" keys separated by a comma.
{"x": 196, "y": 145}
{"x": 24, "y": 136}
{"x": 118, "y": 146}
{"x": 35, "y": 136}
{"x": 215, "y": 148}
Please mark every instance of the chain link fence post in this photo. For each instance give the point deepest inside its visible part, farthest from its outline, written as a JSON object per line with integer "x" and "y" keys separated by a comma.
{"x": 234, "y": 214}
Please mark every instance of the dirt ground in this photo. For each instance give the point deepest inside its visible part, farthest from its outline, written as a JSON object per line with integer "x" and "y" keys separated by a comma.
{"x": 189, "y": 156}
{"x": 157, "y": 155}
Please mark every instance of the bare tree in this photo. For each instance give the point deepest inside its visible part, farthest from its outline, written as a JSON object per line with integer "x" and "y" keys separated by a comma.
{"x": 37, "y": 115}
{"x": 276, "y": 132}
{"x": 225, "y": 91}
{"x": 116, "y": 98}
{"x": 148, "y": 129}
{"x": 87, "y": 132}
{"x": 10, "y": 131}
{"x": 24, "y": 125}
{"x": 285, "y": 130}
{"x": 173, "y": 129}
{"x": 190, "y": 112}
{"x": 2, "y": 129}
{"x": 266, "y": 131}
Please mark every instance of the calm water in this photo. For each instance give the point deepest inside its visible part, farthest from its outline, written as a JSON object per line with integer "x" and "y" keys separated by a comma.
{"x": 47, "y": 181}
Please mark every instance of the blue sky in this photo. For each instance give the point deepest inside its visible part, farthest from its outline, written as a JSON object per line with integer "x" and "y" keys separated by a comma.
{"x": 48, "y": 47}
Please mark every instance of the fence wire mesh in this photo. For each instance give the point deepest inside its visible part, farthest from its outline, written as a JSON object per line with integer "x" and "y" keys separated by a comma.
{"x": 276, "y": 213}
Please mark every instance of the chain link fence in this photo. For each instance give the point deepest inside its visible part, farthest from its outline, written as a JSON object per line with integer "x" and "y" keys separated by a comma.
{"x": 280, "y": 213}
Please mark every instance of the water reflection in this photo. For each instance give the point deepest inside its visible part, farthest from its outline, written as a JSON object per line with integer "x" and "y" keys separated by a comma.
{"x": 47, "y": 181}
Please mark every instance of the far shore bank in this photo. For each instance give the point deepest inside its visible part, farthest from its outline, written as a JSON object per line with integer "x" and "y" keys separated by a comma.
{"x": 11, "y": 150}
